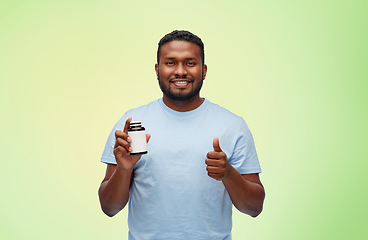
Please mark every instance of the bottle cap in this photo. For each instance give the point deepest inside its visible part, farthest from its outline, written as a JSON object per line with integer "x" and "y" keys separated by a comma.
{"x": 135, "y": 123}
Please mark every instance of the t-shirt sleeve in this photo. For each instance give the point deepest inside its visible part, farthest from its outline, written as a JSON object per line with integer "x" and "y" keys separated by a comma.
{"x": 108, "y": 153}
{"x": 244, "y": 158}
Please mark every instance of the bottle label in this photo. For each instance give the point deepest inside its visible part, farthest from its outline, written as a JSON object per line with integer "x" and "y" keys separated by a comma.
{"x": 138, "y": 142}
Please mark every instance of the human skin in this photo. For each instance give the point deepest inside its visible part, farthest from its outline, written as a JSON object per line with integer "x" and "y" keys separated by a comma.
{"x": 114, "y": 189}
{"x": 245, "y": 190}
{"x": 181, "y": 71}
{"x": 181, "y": 61}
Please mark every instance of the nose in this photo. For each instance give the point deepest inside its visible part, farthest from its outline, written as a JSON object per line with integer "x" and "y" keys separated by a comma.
{"x": 180, "y": 70}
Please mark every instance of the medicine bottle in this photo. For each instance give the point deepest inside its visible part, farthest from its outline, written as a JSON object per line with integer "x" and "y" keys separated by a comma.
{"x": 138, "y": 135}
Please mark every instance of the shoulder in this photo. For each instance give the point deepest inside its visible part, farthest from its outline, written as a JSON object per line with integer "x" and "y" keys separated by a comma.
{"x": 138, "y": 113}
{"x": 143, "y": 111}
{"x": 232, "y": 123}
{"x": 150, "y": 106}
{"x": 223, "y": 114}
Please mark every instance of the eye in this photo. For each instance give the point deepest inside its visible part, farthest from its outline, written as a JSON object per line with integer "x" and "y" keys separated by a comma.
{"x": 170, "y": 63}
{"x": 191, "y": 64}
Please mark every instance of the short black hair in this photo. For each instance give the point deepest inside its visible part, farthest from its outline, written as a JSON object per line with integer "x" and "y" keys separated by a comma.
{"x": 181, "y": 35}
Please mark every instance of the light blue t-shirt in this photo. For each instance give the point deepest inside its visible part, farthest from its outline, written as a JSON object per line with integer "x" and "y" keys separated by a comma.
{"x": 171, "y": 196}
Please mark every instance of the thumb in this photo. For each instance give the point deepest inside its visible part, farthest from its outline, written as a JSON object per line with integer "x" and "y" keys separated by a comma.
{"x": 148, "y": 137}
{"x": 216, "y": 145}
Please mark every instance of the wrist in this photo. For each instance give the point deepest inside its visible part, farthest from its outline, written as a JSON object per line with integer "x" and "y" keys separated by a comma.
{"x": 124, "y": 169}
{"x": 229, "y": 173}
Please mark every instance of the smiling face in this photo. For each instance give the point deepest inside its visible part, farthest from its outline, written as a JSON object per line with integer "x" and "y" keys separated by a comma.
{"x": 180, "y": 71}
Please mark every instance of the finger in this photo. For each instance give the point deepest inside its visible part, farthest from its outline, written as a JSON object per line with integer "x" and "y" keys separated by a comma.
{"x": 216, "y": 145}
{"x": 211, "y": 169}
{"x": 211, "y": 162}
{"x": 123, "y": 143}
{"x": 216, "y": 155}
{"x": 215, "y": 176}
{"x": 148, "y": 137}
{"x": 120, "y": 150}
{"x": 218, "y": 163}
{"x": 122, "y": 135}
{"x": 127, "y": 124}
{"x": 118, "y": 134}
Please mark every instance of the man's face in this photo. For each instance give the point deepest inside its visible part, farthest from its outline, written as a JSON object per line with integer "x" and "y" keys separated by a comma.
{"x": 180, "y": 71}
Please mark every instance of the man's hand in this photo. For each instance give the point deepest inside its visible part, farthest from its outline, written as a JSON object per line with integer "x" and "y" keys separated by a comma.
{"x": 122, "y": 148}
{"x": 119, "y": 176}
{"x": 218, "y": 166}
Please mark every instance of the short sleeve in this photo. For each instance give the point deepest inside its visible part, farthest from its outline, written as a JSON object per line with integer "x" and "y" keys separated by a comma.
{"x": 244, "y": 158}
{"x": 108, "y": 153}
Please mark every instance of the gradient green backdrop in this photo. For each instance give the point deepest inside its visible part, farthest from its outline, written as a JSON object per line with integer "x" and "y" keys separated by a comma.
{"x": 296, "y": 71}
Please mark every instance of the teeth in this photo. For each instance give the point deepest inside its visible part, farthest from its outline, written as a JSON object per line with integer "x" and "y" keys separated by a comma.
{"x": 181, "y": 82}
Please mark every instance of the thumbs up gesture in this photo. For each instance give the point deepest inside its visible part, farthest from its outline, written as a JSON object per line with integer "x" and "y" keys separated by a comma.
{"x": 218, "y": 166}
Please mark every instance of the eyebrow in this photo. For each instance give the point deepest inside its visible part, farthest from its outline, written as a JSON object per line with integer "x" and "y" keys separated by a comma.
{"x": 173, "y": 58}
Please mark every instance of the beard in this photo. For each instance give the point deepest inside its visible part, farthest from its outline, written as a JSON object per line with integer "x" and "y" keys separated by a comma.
{"x": 180, "y": 96}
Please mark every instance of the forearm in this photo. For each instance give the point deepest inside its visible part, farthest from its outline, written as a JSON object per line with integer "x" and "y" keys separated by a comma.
{"x": 247, "y": 196}
{"x": 114, "y": 192}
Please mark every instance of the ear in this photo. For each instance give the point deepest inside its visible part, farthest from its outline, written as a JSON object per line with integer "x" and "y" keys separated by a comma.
{"x": 156, "y": 69}
{"x": 204, "y": 71}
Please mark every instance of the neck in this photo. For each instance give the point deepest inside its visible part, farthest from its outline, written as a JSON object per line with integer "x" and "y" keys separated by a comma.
{"x": 183, "y": 106}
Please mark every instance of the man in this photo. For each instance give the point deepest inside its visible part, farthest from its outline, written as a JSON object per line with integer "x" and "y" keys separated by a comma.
{"x": 201, "y": 158}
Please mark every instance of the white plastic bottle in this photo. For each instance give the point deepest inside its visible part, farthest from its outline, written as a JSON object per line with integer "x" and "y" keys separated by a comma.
{"x": 138, "y": 135}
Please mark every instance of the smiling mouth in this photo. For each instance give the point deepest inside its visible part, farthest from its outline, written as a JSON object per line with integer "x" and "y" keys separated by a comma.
{"x": 181, "y": 83}
{"x": 180, "y": 80}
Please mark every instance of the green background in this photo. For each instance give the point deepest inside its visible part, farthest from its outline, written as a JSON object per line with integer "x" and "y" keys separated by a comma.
{"x": 296, "y": 71}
